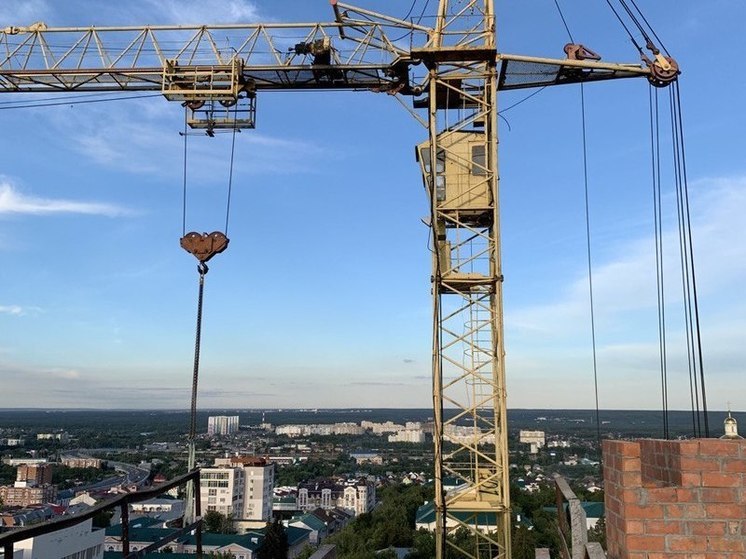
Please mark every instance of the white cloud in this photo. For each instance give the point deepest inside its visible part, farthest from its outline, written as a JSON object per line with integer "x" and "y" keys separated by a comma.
{"x": 14, "y": 202}
{"x": 14, "y": 310}
{"x": 204, "y": 11}
{"x": 18, "y": 310}
{"x": 182, "y": 12}
{"x": 70, "y": 374}
{"x": 150, "y": 143}
{"x": 549, "y": 345}
{"x": 22, "y": 12}
{"x": 627, "y": 283}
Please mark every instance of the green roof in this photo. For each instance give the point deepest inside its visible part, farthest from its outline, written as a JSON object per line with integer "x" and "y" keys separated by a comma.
{"x": 134, "y": 524}
{"x": 137, "y": 534}
{"x": 296, "y": 535}
{"x": 312, "y": 521}
{"x": 593, "y": 509}
{"x": 288, "y": 499}
{"x": 426, "y": 515}
{"x": 219, "y": 540}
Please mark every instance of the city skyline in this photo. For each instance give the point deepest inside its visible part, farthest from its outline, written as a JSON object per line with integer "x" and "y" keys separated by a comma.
{"x": 322, "y": 299}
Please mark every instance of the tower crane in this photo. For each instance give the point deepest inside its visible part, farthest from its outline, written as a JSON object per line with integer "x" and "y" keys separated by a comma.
{"x": 453, "y": 73}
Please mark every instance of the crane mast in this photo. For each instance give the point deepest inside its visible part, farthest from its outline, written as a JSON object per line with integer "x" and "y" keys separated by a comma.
{"x": 453, "y": 73}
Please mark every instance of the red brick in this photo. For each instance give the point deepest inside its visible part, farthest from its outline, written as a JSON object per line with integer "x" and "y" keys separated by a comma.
{"x": 687, "y": 495}
{"x": 699, "y": 464}
{"x": 725, "y": 510}
{"x": 646, "y": 543}
{"x": 710, "y": 447}
{"x": 634, "y": 527}
{"x": 690, "y": 479}
{"x": 718, "y": 495}
{"x": 630, "y": 449}
{"x": 712, "y": 479}
{"x": 657, "y": 527}
{"x": 726, "y": 544}
{"x": 630, "y": 479}
{"x": 689, "y": 511}
{"x": 630, "y": 465}
{"x": 663, "y": 495}
{"x": 685, "y": 543}
{"x": 706, "y": 528}
{"x": 631, "y": 496}
{"x": 734, "y": 466}
{"x": 648, "y": 511}
{"x": 688, "y": 448}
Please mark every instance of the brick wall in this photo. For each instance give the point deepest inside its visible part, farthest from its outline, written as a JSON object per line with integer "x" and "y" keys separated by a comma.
{"x": 675, "y": 499}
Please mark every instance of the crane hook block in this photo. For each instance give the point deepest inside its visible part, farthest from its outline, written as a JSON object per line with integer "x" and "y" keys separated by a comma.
{"x": 204, "y": 245}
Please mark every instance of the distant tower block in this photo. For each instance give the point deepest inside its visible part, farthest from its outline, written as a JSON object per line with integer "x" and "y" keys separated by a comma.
{"x": 731, "y": 428}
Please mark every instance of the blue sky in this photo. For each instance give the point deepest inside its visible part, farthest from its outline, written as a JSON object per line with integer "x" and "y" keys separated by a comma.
{"x": 322, "y": 299}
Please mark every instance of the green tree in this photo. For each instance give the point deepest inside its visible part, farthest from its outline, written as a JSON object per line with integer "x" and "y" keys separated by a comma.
{"x": 275, "y": 543}
{"x": 391, "y": 524}
{"x": 423, "y": 546}
{"x": 598, "y": 532}
{"x": 306, "y": 552}
{"x": 523, "y": 542}
{"x": 218, "y": 523}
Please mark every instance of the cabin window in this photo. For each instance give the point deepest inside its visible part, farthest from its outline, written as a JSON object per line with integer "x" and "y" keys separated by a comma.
{"x": 478, "y": 161}
{"x": 440, "y": 167}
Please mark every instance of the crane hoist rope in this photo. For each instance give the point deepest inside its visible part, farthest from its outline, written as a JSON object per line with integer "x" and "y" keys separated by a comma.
{"x": 203, "y": 246}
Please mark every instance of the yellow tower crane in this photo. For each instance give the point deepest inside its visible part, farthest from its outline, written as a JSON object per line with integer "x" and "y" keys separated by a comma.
{"x": 453, "y": 73}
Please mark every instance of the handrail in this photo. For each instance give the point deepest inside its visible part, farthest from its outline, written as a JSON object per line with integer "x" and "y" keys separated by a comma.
{"x": 8, "y": 539}
{"x": 576, "y": 530}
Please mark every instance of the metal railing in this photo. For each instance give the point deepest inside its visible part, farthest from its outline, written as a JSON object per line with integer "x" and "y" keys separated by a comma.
{"x": 9, "y": 539}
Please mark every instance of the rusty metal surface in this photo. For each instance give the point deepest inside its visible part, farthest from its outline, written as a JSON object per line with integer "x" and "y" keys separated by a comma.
{"x": 204, "y": 245}
{"x": 663, "y": 71}
{"x": 580, "y": 52}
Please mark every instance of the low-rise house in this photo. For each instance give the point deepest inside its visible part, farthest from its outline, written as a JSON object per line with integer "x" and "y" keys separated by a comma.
{"x": 425, "y": 518}
{"x": 142, "y": 533}
{"x": 318, "y": 528}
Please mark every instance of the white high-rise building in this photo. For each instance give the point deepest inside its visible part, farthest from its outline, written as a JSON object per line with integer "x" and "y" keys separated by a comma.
{"x": 222, "y": 424}
{"x": 535, "y": 439}
{"x": 222, "y": 490}
{"x": 257, "y": 483}
{"x": 408, "y": 436}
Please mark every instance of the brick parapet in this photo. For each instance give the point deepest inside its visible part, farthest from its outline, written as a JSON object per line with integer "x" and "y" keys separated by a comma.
{"x": 675, "y": 499}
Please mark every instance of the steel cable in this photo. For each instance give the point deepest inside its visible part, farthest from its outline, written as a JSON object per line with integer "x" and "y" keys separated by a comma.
{"x": 588, "y": 242}
{"x": 658, "y": 237}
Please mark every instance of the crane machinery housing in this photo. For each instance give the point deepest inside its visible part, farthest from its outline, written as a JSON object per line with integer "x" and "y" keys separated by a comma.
{"x": 453, "y": 73}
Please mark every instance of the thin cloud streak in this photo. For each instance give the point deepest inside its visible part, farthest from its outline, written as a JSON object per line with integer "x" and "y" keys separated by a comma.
{"x": 204, "y": 11}
{"x": 18, "y": 310}
{"x": 627, "y": 284}
{"x": 22, "y": 12}
{"x": 540, "y": 353}
{"x": 13, "y": 202}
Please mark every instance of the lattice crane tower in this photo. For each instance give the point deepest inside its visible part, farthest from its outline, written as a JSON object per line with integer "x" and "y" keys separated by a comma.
{"x": 453, "y": 72}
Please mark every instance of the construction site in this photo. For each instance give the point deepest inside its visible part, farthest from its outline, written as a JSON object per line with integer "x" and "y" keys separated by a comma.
{"x": 445, "y": 69}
